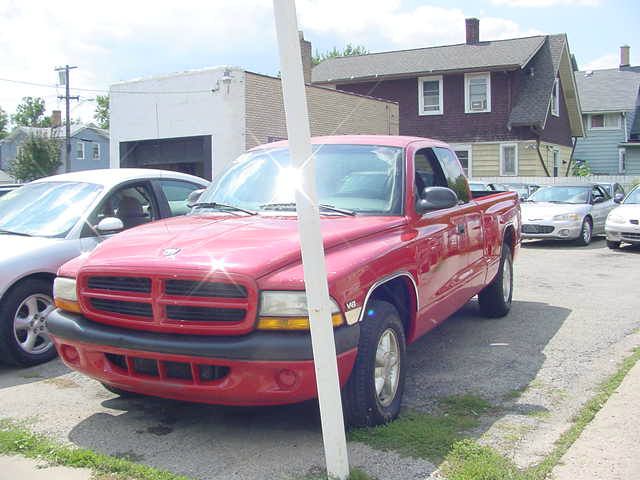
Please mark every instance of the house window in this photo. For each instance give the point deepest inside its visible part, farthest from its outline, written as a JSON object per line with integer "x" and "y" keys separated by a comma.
{"x": 463, "y": 152}
{"x": 95, "y": 151}
{"x": 604, "y": 121}
{"x": 509, "y": 159}
{"x": 477, "y": 92}
{"x": 622, "y": 160}
{"x": 555, "y": 99}
{"x": 430, "y": 95}
{"x": 80, "y": 150}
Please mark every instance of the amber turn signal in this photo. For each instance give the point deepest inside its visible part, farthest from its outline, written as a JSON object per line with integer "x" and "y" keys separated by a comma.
{"x": 67, "y": 305}
{"x": 293, "y": 323}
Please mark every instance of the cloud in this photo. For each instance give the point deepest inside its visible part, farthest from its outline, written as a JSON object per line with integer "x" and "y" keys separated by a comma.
{"x": 610, "y": 60}
{"x": 547, "y": 3}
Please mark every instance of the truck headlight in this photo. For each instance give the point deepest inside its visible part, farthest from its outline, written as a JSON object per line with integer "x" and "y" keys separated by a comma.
{"x": 288, "y": 311}
{"x": 567, "y": 216}
{"x": 65, "y": 295}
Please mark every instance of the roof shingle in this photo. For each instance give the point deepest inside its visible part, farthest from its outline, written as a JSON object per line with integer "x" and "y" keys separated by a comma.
{"x": 610, "y": 90}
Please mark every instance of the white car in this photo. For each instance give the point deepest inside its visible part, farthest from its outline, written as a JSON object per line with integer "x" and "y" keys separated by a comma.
{"x": 566, "y": 212}
{"x": 623, "y": 223}
{"x": 45, "y": 223}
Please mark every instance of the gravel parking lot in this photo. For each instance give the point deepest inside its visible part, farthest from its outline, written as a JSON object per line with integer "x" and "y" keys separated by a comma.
{"x": 575, "y": 315}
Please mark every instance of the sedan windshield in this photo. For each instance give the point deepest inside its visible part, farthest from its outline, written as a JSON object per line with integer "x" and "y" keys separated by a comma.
{"x": 360, "y": 179}
{"x": 45, "y": 209}
{"x": 633, "y": 197}
{"x": 561, "y": 194}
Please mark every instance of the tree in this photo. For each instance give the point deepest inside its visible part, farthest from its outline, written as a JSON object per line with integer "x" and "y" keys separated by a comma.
{"x": 39, "y": 156}
{"x": 30, "y": 113}
{"x": 102, "y": 111}
{"x": 348, "y": 51}
{"x": 4, "y": 123}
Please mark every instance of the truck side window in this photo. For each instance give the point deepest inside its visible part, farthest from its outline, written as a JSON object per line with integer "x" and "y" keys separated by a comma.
{"x": 428, "y": 171}
{"x": 454, "y": 174}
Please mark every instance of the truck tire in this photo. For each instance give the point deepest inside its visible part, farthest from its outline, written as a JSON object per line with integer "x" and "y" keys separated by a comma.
{"x": 122, "y": 393}
{"x": 586, "y": 232}
{"x": 613, "y": 245}
{"x": 23, "y": 336}
{"x": 373, "y": 393}
{"x": 495, "y": 298}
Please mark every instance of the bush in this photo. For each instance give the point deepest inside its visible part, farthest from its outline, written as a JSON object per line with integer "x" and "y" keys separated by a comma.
{"x": 39, "y": 156}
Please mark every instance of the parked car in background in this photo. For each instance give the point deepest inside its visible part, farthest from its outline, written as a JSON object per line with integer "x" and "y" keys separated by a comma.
{"x": 623, "y": 223}
{"x": 49, "y": 221}
{"x": 566, "y": 212}
{"x": 524, "y": 189}
{"x": 8, "y": 187}
{"x": 613, "y": 189}
{"x": 476, "y": 186}
{"x": 211, "y": 307}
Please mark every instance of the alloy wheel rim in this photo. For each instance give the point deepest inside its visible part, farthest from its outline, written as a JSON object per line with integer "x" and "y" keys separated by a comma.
{"x": 29, "y": 324}
{"x": 506, "y": 279}
{"x": 586, "y": 232}
{"x": 387, "y": 367}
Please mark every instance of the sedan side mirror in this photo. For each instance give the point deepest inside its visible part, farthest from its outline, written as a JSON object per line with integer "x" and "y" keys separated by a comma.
{"x": 195, "y": 196}
{"x": 110, "y": 225}
{"x": 618, "y": 197}
{"x": 436, "y": 198}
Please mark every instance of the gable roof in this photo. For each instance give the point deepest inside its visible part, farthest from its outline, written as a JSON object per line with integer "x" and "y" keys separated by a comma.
{"x": 57, "y": 131}
{"x": 610, "y": 90}
{"x": 498, "y": 54}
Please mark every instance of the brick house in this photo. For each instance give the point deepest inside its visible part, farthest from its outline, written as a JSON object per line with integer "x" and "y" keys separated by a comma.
{"x": 509, "y": 107}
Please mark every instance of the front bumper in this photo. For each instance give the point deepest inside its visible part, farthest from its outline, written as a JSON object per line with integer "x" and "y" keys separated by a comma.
{"x": 557, "y": 230}
{"x": 627, "y": 233}
{"x": 262, "y": 368}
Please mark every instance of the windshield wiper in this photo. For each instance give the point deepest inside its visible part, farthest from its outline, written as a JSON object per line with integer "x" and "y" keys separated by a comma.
{"x": 292, "y": 206}
{"x": 221, "y": 206}
{"x": 9, "y": 232}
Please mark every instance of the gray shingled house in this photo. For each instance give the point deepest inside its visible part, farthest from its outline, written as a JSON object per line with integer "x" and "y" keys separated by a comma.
{"x": 610, "y": 101}
{"x": 509, "y": 107}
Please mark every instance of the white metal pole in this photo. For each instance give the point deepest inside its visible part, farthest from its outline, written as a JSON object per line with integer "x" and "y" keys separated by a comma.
{"x": 315, "y": 274}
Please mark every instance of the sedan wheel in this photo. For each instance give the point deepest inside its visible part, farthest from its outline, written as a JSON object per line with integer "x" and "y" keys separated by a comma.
{"x": 585, "y": 232}
{"x": 29, "y": 325}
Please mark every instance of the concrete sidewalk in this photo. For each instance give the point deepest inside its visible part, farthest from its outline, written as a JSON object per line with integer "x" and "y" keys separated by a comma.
{"x": 20, "y": 468}
{"x": 609, "y": 448}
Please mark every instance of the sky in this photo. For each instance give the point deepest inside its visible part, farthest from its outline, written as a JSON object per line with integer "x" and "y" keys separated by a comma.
{"x": 119, "y": 40}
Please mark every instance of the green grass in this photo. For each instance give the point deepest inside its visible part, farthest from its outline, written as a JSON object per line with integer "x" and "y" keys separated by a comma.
{"x": 426, "y": 436}
{"x": 15, "y": 439}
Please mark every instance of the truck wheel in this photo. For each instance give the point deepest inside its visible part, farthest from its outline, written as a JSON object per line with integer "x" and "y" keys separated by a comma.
{"x": 122, "y": 393}
{"x": 373, "y": 393}
{"x": 495, "y": 298}
{"x": 24, "y": 340}
{"x": 613, "y": 245}
{"x": 585, "y": 232}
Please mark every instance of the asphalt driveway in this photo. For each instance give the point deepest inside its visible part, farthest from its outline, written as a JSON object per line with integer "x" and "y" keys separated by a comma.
{"x": 575, "y": 314}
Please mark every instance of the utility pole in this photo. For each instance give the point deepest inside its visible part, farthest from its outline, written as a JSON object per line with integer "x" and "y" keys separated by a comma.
{"x": 65, "y": 80}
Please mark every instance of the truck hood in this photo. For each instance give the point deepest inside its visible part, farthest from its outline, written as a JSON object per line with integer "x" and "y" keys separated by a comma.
{"x": 250, "y": 245}
{"x": 545, "y": 211}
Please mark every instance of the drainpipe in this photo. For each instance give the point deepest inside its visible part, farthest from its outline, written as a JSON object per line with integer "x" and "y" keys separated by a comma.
{"x": 544, "y": 165}
{"x": 573, "y": 149}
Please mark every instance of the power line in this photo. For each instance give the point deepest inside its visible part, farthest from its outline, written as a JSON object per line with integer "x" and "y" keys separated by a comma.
{"x": 97, "y": 90}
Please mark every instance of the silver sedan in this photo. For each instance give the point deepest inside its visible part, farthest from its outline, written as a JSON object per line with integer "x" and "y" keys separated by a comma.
{"x": 50, "y": 221}
{"x": 566, "y": 212}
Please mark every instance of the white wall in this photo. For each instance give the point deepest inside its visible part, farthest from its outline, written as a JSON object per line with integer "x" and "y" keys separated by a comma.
{"x": 625, "y": 180}
{"x": 161, "y": 107}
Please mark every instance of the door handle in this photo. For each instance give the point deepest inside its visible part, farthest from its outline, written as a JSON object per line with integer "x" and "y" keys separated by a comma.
{"x": 460, "y": 228}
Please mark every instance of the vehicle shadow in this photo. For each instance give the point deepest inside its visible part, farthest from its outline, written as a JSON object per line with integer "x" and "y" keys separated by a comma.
{"x": 11, "y": 376}
{"x": 467, "y": 354}
{"x": 543, "y": 244}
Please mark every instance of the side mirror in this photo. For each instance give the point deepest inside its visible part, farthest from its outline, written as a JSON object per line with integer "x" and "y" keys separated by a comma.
{"x": 618, "y": 197}
{"x": 436, "y": 198}
{"x": 195, "y": 196}
{"x": 110, "y": 225}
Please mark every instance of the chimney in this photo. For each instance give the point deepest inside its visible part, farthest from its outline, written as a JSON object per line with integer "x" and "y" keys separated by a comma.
{"x": 305, "y": 51}
{"x": 473, "y": 30}
{"x": 56, "y": 118}
{"x": 624, "y": 56}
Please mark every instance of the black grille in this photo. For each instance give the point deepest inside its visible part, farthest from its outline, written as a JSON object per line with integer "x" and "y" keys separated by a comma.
{"x": 634, "y": 236}
{"x": 537, "y": 228}
{"x": 146, "y": 366}
{"x": 122, "y": 284}
{"x": 117, "y": 360}
{"x": 138, "y": 309}
{"x": 635, "y": 222}
{"x": 191, "y": 288}
{"x": 209, "y": 373}
{"x": 205, "y": 314}
{"x": 180, "y": 370}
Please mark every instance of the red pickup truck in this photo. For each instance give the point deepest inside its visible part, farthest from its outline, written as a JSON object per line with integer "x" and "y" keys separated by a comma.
{"x": 210, "y": 307}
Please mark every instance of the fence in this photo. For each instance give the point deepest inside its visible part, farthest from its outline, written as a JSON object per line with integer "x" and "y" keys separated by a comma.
{"x": 625, "y": 180}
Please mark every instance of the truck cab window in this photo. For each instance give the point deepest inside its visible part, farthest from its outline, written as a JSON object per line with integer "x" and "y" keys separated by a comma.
{"x": 456, "y": 180}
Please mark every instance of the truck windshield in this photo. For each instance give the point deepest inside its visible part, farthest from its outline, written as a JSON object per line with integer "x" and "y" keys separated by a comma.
{"x": 364, "y": 179}
{"x": 45, "y": 209}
